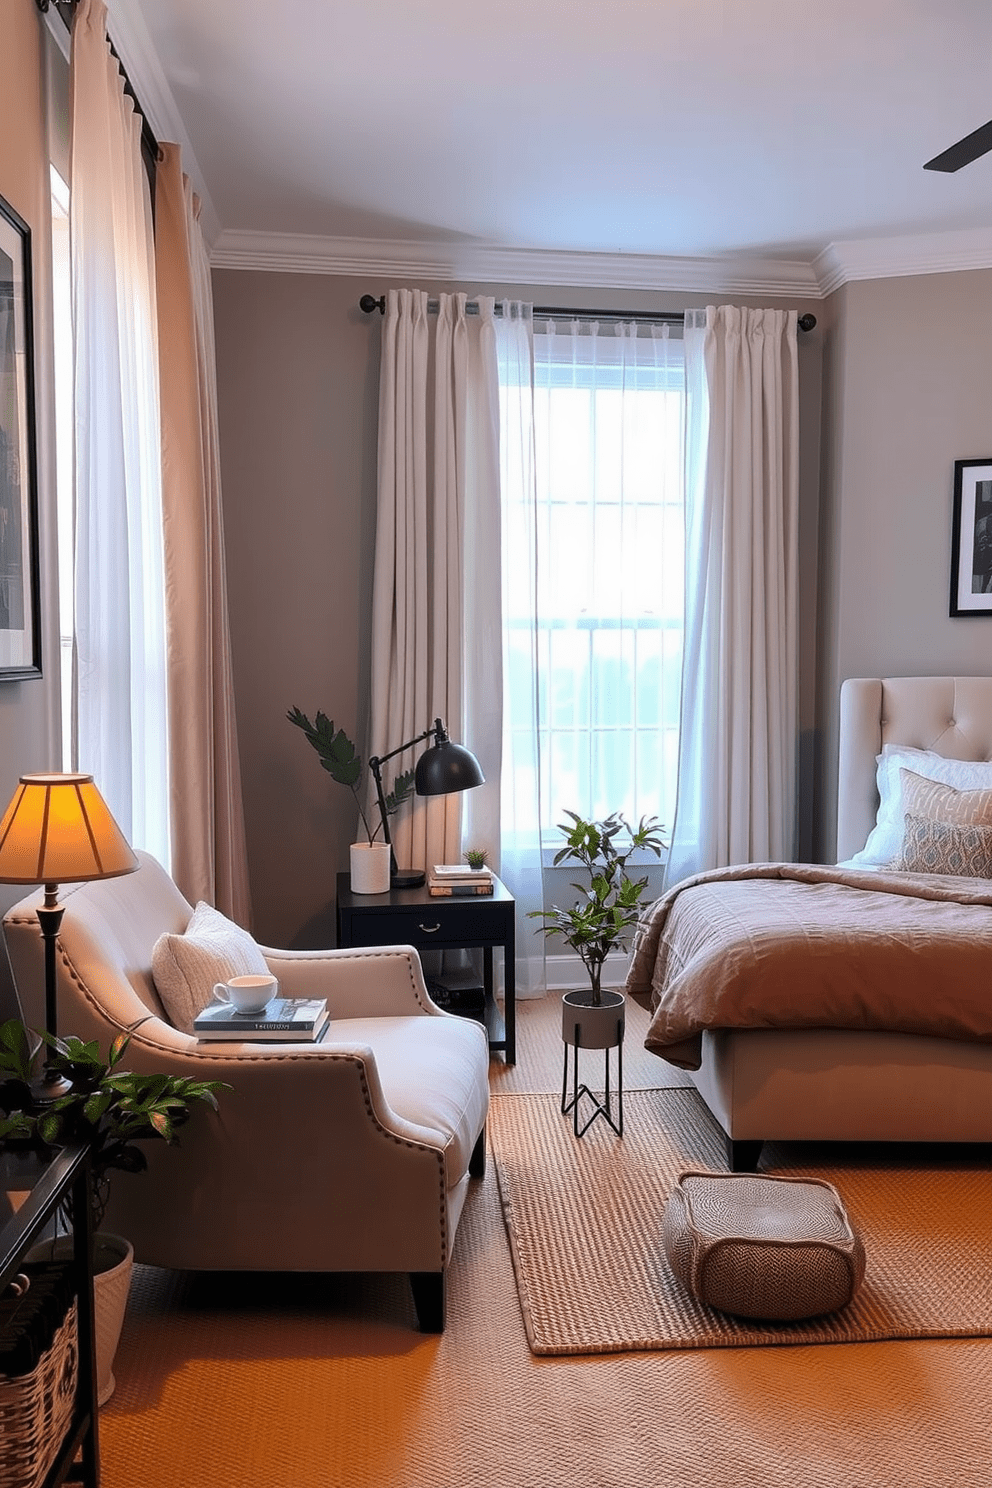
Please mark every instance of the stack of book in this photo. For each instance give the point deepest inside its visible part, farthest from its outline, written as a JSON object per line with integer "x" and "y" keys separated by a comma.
{"x": 299, "y": 1020}
{"x": 453, "y": 879}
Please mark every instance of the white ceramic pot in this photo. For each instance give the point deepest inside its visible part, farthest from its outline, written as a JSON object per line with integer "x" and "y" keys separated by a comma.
{"x": 370, "y": 867}
{"x": 591, "y": 1026}
{"x": 113, "y": 1263}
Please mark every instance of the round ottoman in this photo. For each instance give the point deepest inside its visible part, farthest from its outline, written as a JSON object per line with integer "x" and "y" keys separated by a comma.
{"x": 760, "y": 1247}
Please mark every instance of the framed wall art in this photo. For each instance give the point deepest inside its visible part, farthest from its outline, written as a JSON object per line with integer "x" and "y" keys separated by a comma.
{"x": 971, "y": 538}
{"x": 20, "y": 613}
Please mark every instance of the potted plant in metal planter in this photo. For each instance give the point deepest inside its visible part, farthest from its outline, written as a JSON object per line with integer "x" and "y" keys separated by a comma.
{"x": 111, "y": 1110}
{"x": 597, "y": 923}
{"x": 370, "y": 861}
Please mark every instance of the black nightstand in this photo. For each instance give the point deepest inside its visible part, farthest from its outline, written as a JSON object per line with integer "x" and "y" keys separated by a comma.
{"x": 414, "y": 917}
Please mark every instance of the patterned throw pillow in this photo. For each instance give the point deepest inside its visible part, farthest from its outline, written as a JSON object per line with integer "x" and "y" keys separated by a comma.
{"x": 946, "y": 847}
{"x": 939, "y": 802}
{"x": 945, "y": 829}
{"x": 185, "y": 967}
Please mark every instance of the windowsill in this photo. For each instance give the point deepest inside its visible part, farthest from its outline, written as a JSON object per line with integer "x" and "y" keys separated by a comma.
{"x": 639, "y": 859}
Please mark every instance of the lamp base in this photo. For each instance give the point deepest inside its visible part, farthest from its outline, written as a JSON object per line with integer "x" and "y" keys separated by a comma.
{"x": 48, "y": 1087}
{"x": 407, "y": 878}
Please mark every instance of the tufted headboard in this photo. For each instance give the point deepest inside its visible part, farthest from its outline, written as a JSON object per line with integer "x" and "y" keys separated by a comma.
{"x": 950, "y": 715}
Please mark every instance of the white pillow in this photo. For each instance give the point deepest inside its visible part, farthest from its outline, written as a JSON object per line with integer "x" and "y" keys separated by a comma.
{"x": 885, "y": 839}
{"x": 185, "y": 967}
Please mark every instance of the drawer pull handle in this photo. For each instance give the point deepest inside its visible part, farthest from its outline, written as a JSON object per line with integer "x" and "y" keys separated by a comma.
{"x": 429, "y": 929}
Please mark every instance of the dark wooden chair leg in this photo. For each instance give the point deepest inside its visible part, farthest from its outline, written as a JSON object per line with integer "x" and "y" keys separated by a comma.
{"x": 742, "y": 1156}
{"x": 428, "y": 1299}
{"x": 477, "y": 1162}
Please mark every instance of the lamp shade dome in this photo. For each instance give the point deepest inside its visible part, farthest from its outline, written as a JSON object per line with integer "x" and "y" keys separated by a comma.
{"x": 445, "y": 768}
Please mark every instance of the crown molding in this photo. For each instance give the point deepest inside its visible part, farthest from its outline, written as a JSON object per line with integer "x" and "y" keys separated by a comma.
{"x": 137, "y": 51}
{"x": 893, "y": 258}
{"x": 301, "y": 254}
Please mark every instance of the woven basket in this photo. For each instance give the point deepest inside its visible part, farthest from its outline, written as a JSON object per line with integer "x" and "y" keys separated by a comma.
{"x": 36, "y": 1408}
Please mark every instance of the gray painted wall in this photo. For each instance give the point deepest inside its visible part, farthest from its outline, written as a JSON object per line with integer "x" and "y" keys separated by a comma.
{"x": 908, "y": 392}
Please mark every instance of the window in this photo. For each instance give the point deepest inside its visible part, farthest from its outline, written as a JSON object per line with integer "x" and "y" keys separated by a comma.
{"x": 62, "y": 318}
{"x": 594, "y": 625}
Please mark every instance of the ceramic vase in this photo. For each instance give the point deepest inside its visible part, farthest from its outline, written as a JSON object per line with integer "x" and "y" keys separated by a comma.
{"x": 370, "y": 864}
{"x": 113, "y": 1263}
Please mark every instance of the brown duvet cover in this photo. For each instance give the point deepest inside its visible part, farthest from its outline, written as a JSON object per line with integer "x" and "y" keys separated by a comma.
{"x": 786, "y": 945}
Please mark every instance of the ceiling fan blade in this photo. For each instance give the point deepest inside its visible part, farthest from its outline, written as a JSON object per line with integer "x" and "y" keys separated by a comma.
{"x": 979, "y": 142}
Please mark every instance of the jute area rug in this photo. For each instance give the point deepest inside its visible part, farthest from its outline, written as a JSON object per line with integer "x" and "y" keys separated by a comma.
{"x": 584, "y": 1223}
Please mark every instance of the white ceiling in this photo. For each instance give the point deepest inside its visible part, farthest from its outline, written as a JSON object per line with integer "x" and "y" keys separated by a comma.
{"x": 784, "y": 138}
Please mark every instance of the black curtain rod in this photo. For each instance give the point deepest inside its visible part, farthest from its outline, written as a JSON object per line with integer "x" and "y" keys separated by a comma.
{"x": 368, "y": 303}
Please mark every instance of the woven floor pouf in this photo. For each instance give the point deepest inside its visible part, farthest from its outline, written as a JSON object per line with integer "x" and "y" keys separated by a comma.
{"x": 760, "y": 1247}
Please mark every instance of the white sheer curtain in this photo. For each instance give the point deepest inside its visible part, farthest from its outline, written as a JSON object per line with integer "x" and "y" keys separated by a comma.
{"x": 520, "y": 789}
{"x": 737, "y": 752}
{"x": 120, "y": 655}
{"x": 437, "y": 576}
{"x": 593, "y": 568}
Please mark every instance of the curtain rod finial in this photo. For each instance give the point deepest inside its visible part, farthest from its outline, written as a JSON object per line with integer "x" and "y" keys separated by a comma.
{"x": 806, "y": 322}
{"x": 368, "y": 303}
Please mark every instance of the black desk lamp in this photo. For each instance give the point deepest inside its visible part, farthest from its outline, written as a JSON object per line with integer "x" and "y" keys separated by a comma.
{"x": 58, "y": 829}
{"x": 441, "y": 770}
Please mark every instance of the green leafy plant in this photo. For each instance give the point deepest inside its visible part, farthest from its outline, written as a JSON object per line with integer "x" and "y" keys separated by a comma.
{"x": 108, "y": 1108}
{"x": 609, "y": 905}
{"x": 475, "y": 857}
{"x": 339, "y": 757}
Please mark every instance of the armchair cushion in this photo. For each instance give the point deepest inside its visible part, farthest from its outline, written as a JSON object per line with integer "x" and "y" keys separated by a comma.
{"x": 186, "y": 967}
{"x": 429, "y": 1074}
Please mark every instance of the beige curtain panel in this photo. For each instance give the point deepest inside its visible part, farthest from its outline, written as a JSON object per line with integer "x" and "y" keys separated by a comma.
{"x": 737, "y": 744}
{"x": 209, "y": 860}
{"x": 436, "y": 535}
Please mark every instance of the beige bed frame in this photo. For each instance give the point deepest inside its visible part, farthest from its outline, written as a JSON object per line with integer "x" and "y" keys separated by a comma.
{"x": 836, "y": 1085}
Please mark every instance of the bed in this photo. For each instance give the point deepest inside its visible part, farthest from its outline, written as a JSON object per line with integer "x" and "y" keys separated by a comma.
{"x": 895, "y": 1077}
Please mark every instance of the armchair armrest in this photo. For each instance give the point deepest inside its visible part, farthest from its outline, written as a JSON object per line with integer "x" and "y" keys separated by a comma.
{"x": 378, "y": 1180}
{"x": 364, "y": 982}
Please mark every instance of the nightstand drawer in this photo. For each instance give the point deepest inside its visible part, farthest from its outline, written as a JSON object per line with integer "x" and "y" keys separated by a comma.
{"x": 456, "y": 924}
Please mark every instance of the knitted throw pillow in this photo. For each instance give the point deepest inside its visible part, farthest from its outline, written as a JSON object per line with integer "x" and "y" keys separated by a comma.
{"x": 185, "y": 967}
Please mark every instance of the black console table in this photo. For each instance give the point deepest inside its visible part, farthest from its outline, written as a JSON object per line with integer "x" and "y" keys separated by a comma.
{"x": 415, "y": 917}
{"x": 31, "y": 1190}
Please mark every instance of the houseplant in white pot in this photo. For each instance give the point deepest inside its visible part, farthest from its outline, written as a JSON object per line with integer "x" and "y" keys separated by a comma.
{"x": 599, "y": 919}
{"x": 111, "y": 1110}
{"x": 370, "y": 860}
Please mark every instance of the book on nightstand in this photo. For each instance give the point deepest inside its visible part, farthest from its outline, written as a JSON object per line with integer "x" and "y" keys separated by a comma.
{"x": 455, "y": 880}
{"x": 440, "y": 889}
{"x": 290, "y": 1019}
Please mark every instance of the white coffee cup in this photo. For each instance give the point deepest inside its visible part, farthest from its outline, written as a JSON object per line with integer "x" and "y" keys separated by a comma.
{"x": 248, "y": 994}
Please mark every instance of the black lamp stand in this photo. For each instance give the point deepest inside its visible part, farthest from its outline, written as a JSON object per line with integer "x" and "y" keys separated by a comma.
{"x": 50, "y": 1085}
{"x": 407, "y": 878}
{"x": 441, "y": 770}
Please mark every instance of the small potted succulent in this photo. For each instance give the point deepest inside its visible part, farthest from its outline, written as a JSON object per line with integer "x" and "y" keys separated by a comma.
{"x": 475, "y": 857}
{"x": 597, "y": 922}
{"x": 112, "y": 1110}
{"x": 370, "y": 860}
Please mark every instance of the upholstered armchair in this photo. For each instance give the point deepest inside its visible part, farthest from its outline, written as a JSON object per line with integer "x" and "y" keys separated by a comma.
{"x": 352, "y": 1154}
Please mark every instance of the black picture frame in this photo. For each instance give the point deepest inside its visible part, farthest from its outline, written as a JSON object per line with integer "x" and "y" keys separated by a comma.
{"x": 20, "y": 607}
{"x": 971, "y": 539}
